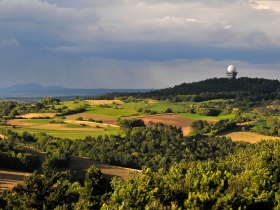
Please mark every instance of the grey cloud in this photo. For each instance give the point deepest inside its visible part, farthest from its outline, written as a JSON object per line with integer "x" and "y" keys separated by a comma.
{"x": 11, "y": 42}
{"x": 114, "y": 73}
{"x": 134, "y": 43}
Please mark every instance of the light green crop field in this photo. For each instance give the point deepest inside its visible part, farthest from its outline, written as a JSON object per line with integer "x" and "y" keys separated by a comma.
{"x": 115, "y": 112}
{"x": 71, "y": 134}
{"x": 199, "y": 117}
{"x": 38, "y": 121}
{"x": 158, "y": 106}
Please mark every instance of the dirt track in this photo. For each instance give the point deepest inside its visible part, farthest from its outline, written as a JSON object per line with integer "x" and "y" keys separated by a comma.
{"x": 80, "y": 165}
{"x": 9, "y": 179}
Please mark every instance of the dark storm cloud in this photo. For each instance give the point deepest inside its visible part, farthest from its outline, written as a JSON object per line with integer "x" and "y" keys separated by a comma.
{"x": 121, "y": 43}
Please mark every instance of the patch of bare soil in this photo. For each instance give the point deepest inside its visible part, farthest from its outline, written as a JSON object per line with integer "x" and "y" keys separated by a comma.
{"x": 9, "y": 179}
{"x": 171, "y": 119}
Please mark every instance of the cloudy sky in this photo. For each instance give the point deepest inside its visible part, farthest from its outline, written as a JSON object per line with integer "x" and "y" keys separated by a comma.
{"x": 136, "y": 43}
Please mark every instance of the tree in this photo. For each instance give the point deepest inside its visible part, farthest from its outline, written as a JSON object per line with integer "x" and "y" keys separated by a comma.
{"x": 95, "y": 189}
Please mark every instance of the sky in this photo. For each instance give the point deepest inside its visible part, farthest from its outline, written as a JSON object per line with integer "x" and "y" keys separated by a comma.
{"x": 136, "y": 43}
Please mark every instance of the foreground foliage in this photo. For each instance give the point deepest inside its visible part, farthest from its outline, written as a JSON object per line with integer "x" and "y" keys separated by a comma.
{"x": 246, "y": 179}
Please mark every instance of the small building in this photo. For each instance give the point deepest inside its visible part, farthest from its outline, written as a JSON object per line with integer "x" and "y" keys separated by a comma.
{"x": 231, "y": 72}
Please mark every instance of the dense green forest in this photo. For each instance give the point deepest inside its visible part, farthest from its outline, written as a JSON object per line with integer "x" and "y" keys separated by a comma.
{"x": 155, "y": 146}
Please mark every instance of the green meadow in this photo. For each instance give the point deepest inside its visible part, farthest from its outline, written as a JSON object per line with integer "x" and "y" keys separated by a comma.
{"x": 70, "y": 134}
{"x": 200, "y": 117}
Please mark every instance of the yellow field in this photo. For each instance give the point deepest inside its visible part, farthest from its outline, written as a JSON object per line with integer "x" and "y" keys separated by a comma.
{"x": 38, "y": 115}
{"x": 249, "y": 136}
{"x": 104, "y": 102}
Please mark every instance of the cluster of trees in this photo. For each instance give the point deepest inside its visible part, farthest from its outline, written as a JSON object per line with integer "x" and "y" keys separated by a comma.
{"x": 10, "y": 109}
{"x": 13, "y": 156}
{"x": 201, "y": 127}
{"x": 155, "y": 146}
{"x": 267, "y": 126}
{"x": 212, "y": 108}
{"x": 67, "y": 111}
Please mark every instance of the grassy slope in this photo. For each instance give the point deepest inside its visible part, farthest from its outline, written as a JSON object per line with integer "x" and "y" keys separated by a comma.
{"x": 199, "y": 117}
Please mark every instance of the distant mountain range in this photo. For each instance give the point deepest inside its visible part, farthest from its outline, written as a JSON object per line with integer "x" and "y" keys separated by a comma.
{"x": 31, "y": 87}
{"x": 34, "y": 90}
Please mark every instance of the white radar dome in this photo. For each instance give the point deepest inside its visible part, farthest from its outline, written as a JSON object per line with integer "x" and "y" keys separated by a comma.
{"x": 231, "y": 69}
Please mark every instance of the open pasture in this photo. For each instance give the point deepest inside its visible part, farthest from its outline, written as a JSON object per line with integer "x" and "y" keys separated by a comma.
{"x": 97, "y": 117}
{"x": 113, "y": 111}
{"x": 153, "y": 105}
{"x": 208, "y": 118}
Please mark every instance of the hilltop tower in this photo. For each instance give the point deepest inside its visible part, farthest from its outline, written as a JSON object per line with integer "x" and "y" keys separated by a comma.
{"x": 231, "y": 72}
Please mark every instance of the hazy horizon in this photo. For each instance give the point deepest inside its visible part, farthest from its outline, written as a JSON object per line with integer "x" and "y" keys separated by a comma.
{"x": 119, "y": 44}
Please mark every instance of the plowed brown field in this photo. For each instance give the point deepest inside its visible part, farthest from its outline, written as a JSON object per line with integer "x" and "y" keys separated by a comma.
{"x": 171, "y": 119}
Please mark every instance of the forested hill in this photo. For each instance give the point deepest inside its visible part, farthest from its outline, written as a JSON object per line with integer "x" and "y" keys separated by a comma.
{"x": 243, "y": 84}
{"x": 253, "y": 89}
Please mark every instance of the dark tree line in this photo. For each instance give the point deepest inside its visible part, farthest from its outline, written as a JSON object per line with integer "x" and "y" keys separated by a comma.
{"x": 246, "y": 91}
